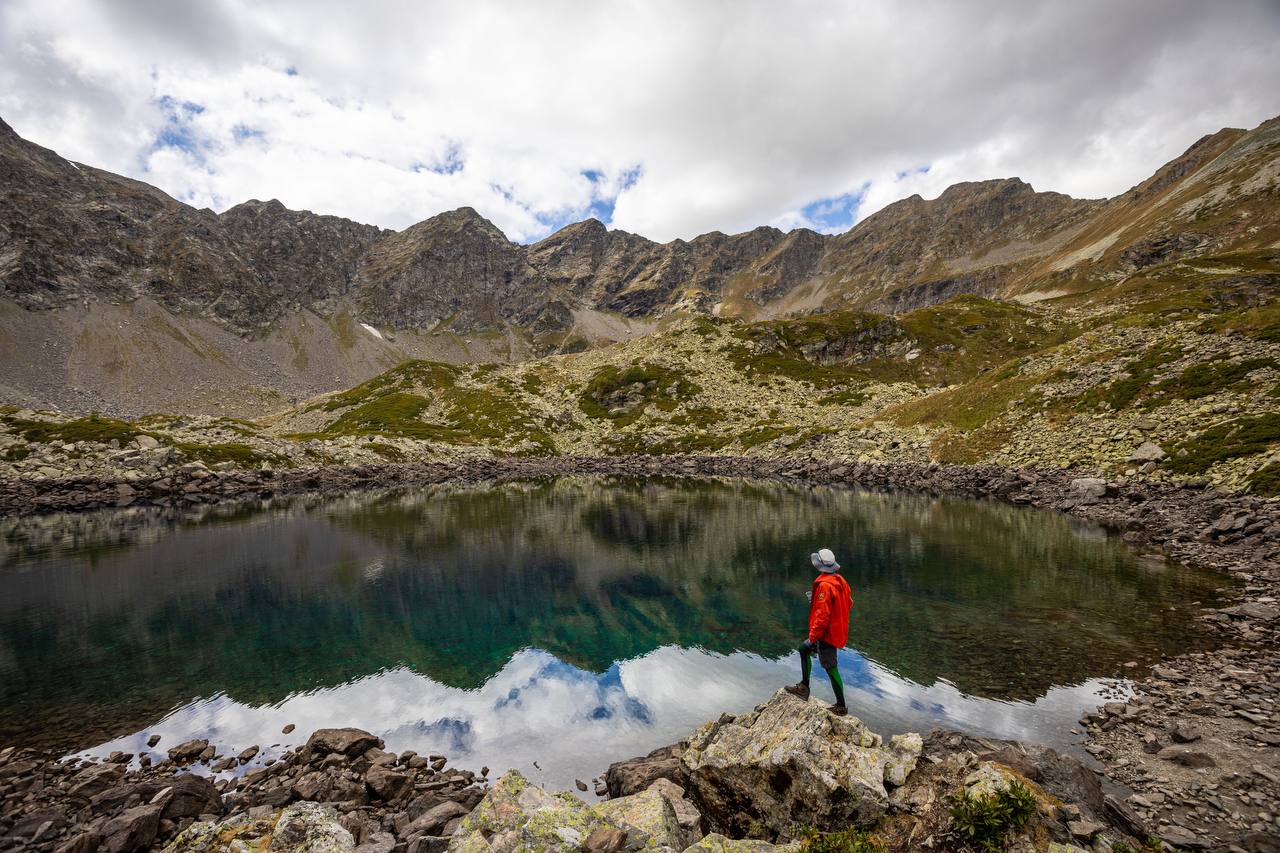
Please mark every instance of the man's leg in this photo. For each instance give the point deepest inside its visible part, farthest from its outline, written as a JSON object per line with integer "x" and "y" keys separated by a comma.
{"x": 837, "y": 683}
{"x": 806, "y": 669}
{"x": 827, "y": 657}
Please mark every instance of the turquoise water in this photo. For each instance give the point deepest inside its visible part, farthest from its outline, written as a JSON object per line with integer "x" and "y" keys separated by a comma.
{"x": 570, "y": 622}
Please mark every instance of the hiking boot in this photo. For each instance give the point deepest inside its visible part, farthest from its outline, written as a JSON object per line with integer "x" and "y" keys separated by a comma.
{"x": 801, "y": 690}
{"x": 839, "y": 710}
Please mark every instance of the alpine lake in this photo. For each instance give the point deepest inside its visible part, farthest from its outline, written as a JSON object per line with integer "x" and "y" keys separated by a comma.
{"x": 558, "y": 625}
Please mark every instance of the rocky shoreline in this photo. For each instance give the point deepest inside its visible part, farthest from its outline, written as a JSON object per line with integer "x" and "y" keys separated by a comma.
{"x": 1198, "y": 745}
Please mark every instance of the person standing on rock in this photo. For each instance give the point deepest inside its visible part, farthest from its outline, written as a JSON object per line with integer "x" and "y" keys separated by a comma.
{"x": 829, "y": 603}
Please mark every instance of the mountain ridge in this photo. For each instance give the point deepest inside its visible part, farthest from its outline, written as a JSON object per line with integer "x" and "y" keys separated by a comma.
{"x": 261, "y": 281}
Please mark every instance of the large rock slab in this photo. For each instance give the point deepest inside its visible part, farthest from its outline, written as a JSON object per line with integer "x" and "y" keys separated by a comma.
{"x": 791, "y": 764}
{"x": 649, "y": 820}
{"x": 515, "y": 815}
{"x": 300, "y": 828}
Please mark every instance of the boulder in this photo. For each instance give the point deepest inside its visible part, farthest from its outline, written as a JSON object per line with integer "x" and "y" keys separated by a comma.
{"x": 311, "y": 827}
{"x": 185, "y": 795}
{"x": 1148, "y": 451}
{"x": 686, "y": 812}
{"x": 390, "y": 785}
{"x": 636, "y": 774}
{"x": 188, "y": 751}
{"x": 790, "y": 764}
{"x": 648, "y": 819}
{"x": 92, "y": 781}
{"x": 1087, "y": 490}
{"x": 350, "y": 742}
{"x": 515, "y": 815}
{"x": 133, "y": 829}
{"x": 434, "y": 818}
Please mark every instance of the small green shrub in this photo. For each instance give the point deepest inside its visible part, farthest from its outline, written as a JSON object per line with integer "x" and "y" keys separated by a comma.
{"x": 651, "y": 384}
{"x": 1210, "y": 377}
{"x": 387, "y": 451}
{"x": 984, "y": 822}
{"x": 842, "y": 841}
{"x": 16, "y": 453}
{"x": 92, "y": 428}
{"x": 1229, "y": 440}
{"x": 849, "y": 397}
{"x": 241, "y": 454}
{"x": 1142, "y": 371}
{"x": 1266, "y": 480}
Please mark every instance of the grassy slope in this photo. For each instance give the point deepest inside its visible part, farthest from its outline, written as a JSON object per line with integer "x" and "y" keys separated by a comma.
{"x": 1186, "y": 355}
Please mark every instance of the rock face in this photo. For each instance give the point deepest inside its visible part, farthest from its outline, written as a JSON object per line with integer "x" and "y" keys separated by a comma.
{"x": 515, "y": 815}
{"x": 790, "y": 764}
{"x": 70, "y": 233}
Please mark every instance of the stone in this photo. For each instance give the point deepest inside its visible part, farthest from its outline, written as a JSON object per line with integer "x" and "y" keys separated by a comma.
{"x": 184, "y": 795}
{"x": 188, "y": 751}
{"x": 378, "y": 842}
{"x": 1187, "y": 757}
{"x": 515, "y": 815}
{"x": 1147, "y": 452}
{"x": 349, "y": 741}
{"x": 93, "y": 780}
{"x": 146, "y": 442}
{"x": 636, "y": 774}
{"x": 247, "y": 755}
{"x": 649, "y": 820}
{"x": 153, "y": 740}
{"x": 1087, "y": 490}
{"x": 1084, "y": 830}
{"x": 133, "y": 829}
{"x": 904, "y": 752}
{"x": 434, "y": 818}
{"x": 390, "y": 785}
{"x": 84, "y": 842}
{"x": 312, "y": 828}
{"x": 687, "y": 813}
{"x": 315, "y": 786}
{"x": 1185, "y": 733}
{"x": 790, "y": 762}
{"x": 605, "y": 839}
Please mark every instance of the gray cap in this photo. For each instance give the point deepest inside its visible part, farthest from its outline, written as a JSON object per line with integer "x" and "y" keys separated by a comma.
{"x": 824, "y": 561}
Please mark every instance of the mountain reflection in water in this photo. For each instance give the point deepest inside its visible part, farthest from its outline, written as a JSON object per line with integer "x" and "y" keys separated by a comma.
{"x": 573, "y": 621}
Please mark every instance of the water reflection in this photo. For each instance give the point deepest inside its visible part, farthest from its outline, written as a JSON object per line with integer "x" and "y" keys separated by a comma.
{"x": 413, "y": 613}
{"x": 572, "y": 723}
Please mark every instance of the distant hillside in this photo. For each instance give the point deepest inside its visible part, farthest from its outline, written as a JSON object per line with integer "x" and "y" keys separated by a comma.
{"x": 115, "y": 296}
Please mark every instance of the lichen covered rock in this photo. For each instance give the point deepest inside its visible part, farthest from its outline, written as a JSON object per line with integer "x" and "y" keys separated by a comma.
{"x": 791, "y": 763}
{"x": 300, "y": 828}
{"x": 516, "y": 815}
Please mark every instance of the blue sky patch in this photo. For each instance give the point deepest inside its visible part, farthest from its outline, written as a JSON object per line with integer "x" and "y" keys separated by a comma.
{"x": 450, "y": 164}
{"x": 835, "y": 213}
{"x": 177, "y": 131}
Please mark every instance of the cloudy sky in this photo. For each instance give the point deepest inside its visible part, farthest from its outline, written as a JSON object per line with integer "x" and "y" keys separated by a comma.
{"x": 668, "y": 118}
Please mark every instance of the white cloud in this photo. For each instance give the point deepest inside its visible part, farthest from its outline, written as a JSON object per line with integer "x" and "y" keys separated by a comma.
{"x": 734, "y": 113}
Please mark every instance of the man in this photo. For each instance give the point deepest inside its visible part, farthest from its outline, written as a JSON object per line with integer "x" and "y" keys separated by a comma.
{"x": 829, "y": 604}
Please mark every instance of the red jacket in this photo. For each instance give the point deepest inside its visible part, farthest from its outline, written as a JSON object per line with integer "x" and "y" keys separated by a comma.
{"x": 829, "y": 610}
